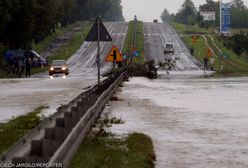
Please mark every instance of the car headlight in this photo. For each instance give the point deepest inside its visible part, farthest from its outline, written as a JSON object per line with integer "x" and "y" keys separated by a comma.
{"x": 51, "y": 68}
{"x": 63, "y": 68}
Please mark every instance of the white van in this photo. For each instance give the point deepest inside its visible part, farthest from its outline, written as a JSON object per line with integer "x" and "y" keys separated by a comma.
{"x": 168, "y": 48}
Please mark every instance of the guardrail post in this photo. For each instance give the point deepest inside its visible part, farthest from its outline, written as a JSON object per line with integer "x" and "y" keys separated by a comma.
{"x": 36, "y": 148}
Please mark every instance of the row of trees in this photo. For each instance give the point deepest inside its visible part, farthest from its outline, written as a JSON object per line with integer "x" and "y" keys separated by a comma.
{"x": 188, "y": 14}
{"x": 24, "y": 21}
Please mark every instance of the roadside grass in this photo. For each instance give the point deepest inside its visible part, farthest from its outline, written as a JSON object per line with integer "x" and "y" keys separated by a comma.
{"x": 134, "y": 151}
{"x": 43, "y": 45}
{"x": 128, "y": 39}
{"x": 233, "y": 64}
{"x": 231, "y": 55}
{"x": 228, "y": 63}
{"x": 16, "y": 128}
{"x": 70, "y": 47}
{"x": 200, "y": 51}
{"x": 192, "y": 29}
{"x": 63, "y": 52}
{"x": 139, "y": 42}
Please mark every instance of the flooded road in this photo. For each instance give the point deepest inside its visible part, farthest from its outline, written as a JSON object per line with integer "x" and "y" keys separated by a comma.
{"x": 194, "y": 122}
{"x": 20, "y": 96}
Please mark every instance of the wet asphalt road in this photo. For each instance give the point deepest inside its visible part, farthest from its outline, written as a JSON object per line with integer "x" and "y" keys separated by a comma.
{"x": 20, "y": 96}
{"x": 156, "y": 35}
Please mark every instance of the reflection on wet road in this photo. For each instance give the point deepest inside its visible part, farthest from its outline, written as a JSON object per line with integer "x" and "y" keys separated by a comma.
{"x": 193, "y": 122}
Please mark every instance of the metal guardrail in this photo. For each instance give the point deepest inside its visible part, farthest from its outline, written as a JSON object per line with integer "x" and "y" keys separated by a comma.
{"x": 58, "y": 137}
{"x": 73, "y": 140}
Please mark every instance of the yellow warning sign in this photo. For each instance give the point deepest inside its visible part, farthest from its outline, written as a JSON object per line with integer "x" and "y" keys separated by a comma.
{"x": 114, "y": 55}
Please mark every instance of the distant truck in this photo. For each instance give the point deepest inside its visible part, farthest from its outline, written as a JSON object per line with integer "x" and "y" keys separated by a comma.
{"x": 169, "y": 48}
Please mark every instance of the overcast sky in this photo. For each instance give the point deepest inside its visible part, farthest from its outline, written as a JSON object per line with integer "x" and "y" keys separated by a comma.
{"x": 147, "y": 10}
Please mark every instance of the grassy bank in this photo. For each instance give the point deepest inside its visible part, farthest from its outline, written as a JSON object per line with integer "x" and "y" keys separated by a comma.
{"x": 74, "y": 43}
{"x": 140, "y": 44}
{"x": 232, "y": 64}
{"x": 139, "y": 41}
{"x": 200, "y": 49}
{"x": 16, "y": 128}
{"x": 71, "y": 46}
{"x": 134, "y": 151}
{"x": 183, "y": 29}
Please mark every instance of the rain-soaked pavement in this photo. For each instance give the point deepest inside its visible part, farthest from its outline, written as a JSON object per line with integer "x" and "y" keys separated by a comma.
{"x": 20, "y": 96}
{"x": 194, "y": 122}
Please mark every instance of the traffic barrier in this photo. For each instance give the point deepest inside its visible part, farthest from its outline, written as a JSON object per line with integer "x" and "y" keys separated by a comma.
{"x": 58, "y": 137}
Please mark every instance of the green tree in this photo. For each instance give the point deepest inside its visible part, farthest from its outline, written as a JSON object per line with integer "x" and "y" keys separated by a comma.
{"x": 239, "y": 17}
{"x": 187, "y": 14}
{"x": 4, "y": 16}
{"x": 18, "y": 32}
{"x": 165, "y": 16}
{"x": 238, "y": 4}
{"x": 24, "y": 21}
{"x": 68, "y": 8}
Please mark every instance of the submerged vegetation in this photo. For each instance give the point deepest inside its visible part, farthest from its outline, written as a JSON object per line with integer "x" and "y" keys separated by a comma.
{"x": 16, "y": 128}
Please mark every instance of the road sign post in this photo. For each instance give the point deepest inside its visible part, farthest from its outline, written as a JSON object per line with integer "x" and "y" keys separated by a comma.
{"x": 98, "y": 51}
{"x": 225, "y": 17}
{"x": 98, "y": 33}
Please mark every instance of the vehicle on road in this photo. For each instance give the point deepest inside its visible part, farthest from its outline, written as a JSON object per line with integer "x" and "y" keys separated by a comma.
{"x": 169, "y": 48}
{"x": 58, "y": 67}
{"x": 155, "y": 21}
{"x": 37, "y": 60}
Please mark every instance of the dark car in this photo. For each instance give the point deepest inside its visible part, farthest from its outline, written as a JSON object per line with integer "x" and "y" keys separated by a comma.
{"x": 155, "y": 21}
{"x": 58, "y": 67}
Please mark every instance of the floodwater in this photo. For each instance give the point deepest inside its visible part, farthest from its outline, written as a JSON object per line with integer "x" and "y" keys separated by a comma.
{"x": 20, "y": 96}
{"x": 194, "y": 122}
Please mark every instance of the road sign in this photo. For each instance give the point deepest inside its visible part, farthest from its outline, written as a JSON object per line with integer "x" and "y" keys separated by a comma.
{"x": 93, "y": 34}
{"x": 208, "y": 15}
{"x": 114, "y": 55}
{"x": 225, "y": 18}
{"x": 135, "y": 53}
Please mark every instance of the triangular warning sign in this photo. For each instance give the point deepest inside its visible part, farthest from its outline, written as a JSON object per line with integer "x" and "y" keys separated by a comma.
{"x": 104, "y": 35}
{"x": 114, "y": 55}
